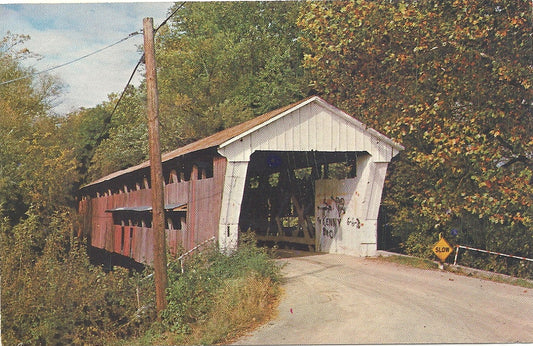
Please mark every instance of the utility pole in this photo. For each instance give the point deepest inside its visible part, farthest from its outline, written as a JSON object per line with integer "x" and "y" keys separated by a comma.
{"x": 156, "y": 169}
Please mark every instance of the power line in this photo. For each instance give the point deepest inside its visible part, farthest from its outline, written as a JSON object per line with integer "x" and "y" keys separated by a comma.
{"x": 170, "y": 16}
{"x": 72, "y": 61}
{"x": 127, "y": 84}
{"x": 142, "y": 59}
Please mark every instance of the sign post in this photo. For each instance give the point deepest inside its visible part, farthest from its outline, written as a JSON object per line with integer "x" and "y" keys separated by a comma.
{"x": 442, "y": 249}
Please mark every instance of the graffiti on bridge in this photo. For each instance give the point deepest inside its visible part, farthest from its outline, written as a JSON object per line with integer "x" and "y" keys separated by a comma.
{"x": 329, "y": 215}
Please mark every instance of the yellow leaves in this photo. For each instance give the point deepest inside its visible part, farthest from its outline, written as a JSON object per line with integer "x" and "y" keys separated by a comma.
{"x": 526, "y": 83}
{"x": 448, "y": 85}
{"x": 402, "y": 57}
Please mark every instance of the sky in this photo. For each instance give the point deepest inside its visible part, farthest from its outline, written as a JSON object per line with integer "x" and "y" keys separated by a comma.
{"x": 62, "y": 32}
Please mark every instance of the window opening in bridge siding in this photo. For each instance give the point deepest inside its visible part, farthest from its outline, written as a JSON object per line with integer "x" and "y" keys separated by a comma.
{"x": 131, "y": 185}
{"x": 174, "y": 221}
{"x": 131, "y": 241}
{"x": 122, "y": 238}
{"x": 147, "y": 221}
{"x": 205, "y": 169}
{"x": 172, "y": 177}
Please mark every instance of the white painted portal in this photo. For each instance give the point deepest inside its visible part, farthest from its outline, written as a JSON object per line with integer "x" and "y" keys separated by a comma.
{"x": 313, "y": 124}
{"x": 347, "y": 210}
{"x": 234, "y": 181}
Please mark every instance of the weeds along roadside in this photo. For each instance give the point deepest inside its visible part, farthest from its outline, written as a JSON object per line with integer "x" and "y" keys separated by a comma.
{"x": 52, "y": 294}
{"x": 423, "y": 263}
{"x": 218, "y": 296}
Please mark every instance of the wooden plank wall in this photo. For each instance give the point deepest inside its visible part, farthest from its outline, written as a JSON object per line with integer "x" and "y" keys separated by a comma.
{"x": 203, "y": 197}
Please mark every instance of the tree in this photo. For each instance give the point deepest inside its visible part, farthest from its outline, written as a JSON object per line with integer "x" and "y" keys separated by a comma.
{"x": 452, "y": 82}
{"x": 126, "y": 138}
{"x": 218, "y": 65}
{"x": 84, "y": 131}
{"x": 223, "y": 63}
{"x": 36, "y": 168}
{"x": 46, "y": 273}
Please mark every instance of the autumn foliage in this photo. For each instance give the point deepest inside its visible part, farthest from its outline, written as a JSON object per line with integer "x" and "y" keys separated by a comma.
{"x": 451, "y": 81}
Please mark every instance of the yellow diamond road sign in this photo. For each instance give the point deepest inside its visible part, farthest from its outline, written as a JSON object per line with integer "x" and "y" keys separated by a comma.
{"x": 442, "y": 249}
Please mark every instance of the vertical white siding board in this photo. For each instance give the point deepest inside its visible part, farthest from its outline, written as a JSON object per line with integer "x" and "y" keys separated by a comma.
{"x": 282, "y": 132}
{"x": 260, "y": 142}
{"x": 341, "y": 134}
{"x": 289, "y": 130}
{"x": 353, "y": 135}
{"x": 311, "y": 130}
{"x": 368, "y": 144}
{"x": 292, "y": 119}
{"x": 385, "y": 152}
{"x": 315, "y": 131}
{"x": 278, "y": 131}
{"x": 270, "y": 137}
{"x": 348, "y": 141}
{"x": 262, "y": 138}
{"x": 295, "y": 131}
{"x": 253, "y": 142}
{"x": 358, "y": 141}
{"x": 350, "y": 137}
{"x": 343, "y": 140}
{"x": 305, "y": 128}
{"x": 331, "y": 140}
{"x": 246, "y": 149}
{"x": 336, "y": 133}
{"x": 331, "y": 125}
{"x": 322, "y": 132}
{"x": 257, "y": 140}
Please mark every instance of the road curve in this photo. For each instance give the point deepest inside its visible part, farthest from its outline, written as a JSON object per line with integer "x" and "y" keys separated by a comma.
{"x": 336, "y": 299}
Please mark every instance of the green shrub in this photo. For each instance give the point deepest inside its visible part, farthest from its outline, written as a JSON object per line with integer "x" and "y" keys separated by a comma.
{"x": 420, "y": 244}
{"x": 51, "y": 294}
{"x": 218, "y": 294}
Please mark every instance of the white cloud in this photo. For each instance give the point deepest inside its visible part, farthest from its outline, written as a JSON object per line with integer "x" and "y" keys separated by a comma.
{"x": 63, "y": 32}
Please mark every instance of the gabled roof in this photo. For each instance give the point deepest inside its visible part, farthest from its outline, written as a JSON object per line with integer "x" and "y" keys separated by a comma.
{"x": 229, "y": 135}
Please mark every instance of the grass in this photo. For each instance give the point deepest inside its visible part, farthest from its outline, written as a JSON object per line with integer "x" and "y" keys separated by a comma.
{"x": 218, "y": 297}
{"x": 241, "y": 305}
{"x": 422, "y": 263}
{"x": 409, "y": 261}
{"x": 495, "y": 277}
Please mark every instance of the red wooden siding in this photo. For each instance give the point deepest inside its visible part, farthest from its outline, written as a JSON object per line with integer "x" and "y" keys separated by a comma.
{"x": 200, "y": 222}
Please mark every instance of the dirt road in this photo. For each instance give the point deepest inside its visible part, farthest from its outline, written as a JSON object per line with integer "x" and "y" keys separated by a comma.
{"x": 334, "y": 299}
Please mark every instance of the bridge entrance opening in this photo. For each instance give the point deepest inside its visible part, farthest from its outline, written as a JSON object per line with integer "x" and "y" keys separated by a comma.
{"x": 279, "y": 201}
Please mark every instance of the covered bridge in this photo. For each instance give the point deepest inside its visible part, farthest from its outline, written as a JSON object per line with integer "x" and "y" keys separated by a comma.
{"x": 307, "y": 174}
